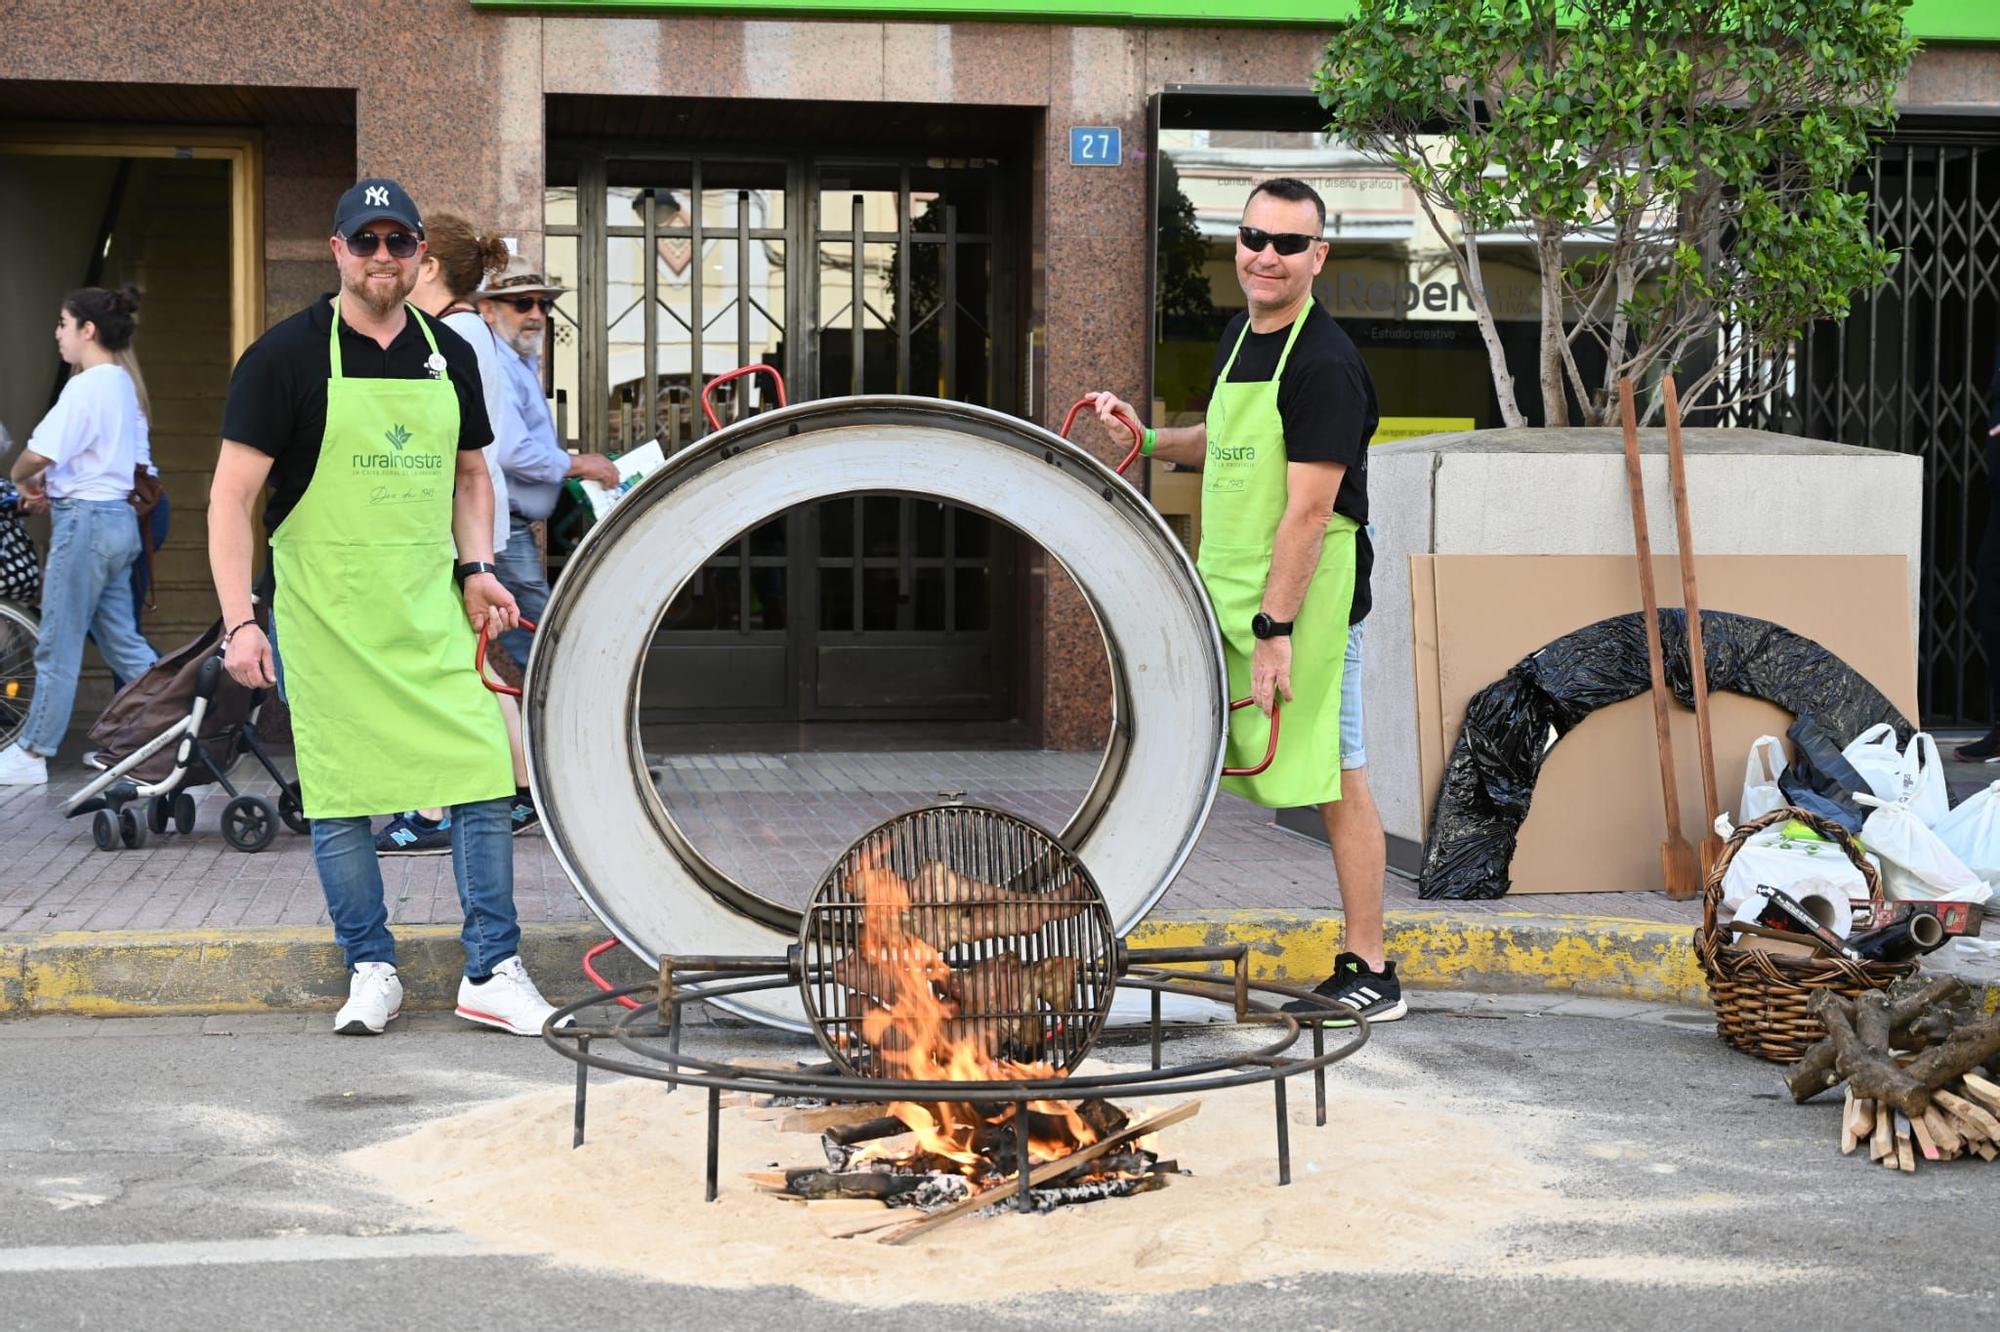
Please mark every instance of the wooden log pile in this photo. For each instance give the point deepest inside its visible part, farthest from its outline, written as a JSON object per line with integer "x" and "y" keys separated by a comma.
{"x": 1922, "y": 1073}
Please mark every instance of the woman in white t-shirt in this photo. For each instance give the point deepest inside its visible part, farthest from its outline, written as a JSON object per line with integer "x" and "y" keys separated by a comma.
{"x": 78, "y": 465}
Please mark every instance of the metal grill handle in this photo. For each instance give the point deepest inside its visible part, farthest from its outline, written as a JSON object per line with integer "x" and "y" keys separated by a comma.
{"x": 708, "y": 404}
{"x": 1270, "y": 751}
{"x": 1125, "y": 419}
{"x": 479, "y": 662}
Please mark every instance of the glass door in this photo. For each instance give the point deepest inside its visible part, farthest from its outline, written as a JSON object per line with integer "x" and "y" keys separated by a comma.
{"x": 685, "y": 267}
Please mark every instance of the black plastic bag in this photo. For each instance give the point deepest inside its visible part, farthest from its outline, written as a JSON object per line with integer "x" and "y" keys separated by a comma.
{"x": 1820, "y": 778}
{"x": 1511, "y": 725}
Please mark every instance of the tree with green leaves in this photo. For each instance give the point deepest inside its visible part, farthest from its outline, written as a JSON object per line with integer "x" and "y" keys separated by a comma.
{"x": 1680, "y": 168}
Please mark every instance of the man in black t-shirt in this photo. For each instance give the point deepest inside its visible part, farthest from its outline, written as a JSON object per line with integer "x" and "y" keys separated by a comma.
{"x": 1325, "y": 401}
{"x": 366, "y": 419}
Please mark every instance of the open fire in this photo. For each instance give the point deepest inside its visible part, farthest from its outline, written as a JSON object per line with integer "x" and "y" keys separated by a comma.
{"x": 956, "y": 964}
{"x": 947, "y": 977}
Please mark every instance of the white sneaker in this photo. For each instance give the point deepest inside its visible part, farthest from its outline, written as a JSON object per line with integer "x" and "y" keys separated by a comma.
{"x": 508, "y": 1000}
{"x": 374, "y": 1000}
{"x": 20, "y": 768}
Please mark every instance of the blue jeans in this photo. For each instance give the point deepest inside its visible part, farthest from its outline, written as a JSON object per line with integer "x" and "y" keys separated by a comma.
{"x": 521, "y": 573}
{"x": 156, "y": 535}
{"x": 1353, "y": 731}
{"x": 482, "y": 860}
{"x": 86, "y": 590}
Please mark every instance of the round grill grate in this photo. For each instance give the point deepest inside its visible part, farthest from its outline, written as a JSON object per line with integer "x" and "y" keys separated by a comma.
{"x": 1007, "y": 929}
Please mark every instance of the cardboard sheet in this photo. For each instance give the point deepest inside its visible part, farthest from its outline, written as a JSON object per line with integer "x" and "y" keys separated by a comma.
{"x": 1433, "y": 745}
{"x": 1597, "y": 821}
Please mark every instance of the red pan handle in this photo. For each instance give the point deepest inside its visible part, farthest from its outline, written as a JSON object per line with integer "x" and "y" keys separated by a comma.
{"x": 479, "y": 664}
{"x": 1270, "y": 752}
{"x": 708, "y": 407}
{"x": 1125, "y": 419}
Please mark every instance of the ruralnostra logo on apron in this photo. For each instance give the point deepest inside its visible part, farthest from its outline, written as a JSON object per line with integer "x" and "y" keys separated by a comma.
{"x": 387, "y": 711}
{"x": 1242, "y": 500}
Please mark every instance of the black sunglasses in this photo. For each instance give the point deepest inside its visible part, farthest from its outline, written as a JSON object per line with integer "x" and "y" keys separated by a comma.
{"x": 1284, "y": 242}
{"x": 523, "y": 304}
{"x": 362, "y": 244}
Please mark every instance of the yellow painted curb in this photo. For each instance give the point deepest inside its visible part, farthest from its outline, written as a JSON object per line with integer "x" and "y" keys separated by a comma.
{"x": 157, "y": 973}
{"x": 1448, "y": 950}
{"x": 147, "y": 973}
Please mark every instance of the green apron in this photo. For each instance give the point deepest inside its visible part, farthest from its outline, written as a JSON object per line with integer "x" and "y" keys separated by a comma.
{"x": 1243, "y": 488}
{"x": 387, "y": 711}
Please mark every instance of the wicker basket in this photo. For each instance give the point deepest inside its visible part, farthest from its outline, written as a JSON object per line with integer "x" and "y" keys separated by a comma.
{"x": 1760, "y": 997}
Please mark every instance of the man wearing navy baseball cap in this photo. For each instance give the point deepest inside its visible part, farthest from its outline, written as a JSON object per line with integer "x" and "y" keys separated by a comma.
{"x": 367, "y": 419}
{"x": 376, "y": 200}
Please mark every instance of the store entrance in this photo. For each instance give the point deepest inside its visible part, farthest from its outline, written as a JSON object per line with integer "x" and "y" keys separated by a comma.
{"x": 852, "y": 272}
{"x": 163, "y": 218}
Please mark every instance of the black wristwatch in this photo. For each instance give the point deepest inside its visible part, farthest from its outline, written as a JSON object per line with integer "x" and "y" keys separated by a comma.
{"x": 1264, "y": 626}
{"x": 461, "y": 572}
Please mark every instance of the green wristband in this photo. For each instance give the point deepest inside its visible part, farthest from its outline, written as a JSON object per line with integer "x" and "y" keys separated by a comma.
{"x": 1146, "y": 443}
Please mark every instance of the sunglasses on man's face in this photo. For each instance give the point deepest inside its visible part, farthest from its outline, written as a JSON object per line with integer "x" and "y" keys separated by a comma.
{"x": 523, "y": 304}
{"x": 1284, "y": 242}
{"x": 363, "y": 244}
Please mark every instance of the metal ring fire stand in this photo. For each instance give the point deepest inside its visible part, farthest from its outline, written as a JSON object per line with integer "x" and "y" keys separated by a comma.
{"x": 696, "y": 979}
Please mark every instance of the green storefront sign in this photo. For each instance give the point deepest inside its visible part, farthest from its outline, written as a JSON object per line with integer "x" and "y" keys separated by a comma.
{"x": 1933, "y": 20}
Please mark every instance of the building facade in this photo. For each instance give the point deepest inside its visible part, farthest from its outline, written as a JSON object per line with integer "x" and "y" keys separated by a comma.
{"x": 907, "y": 198}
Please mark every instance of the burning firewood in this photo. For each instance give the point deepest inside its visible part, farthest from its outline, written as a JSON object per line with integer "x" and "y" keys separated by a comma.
{"x": 1042, "y": 1174}
{"x": 1913, "y": 1068}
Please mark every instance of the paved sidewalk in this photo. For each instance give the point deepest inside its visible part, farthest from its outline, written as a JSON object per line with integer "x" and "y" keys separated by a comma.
{"x": 773, "y": 821}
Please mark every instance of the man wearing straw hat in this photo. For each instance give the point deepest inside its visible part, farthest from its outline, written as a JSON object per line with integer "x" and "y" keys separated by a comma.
{"x": 516, "y": 306}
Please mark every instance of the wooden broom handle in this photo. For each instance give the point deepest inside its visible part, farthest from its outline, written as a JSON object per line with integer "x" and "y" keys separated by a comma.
{"x": 1697, "y": 656}
{"x": 1670, "y": 796}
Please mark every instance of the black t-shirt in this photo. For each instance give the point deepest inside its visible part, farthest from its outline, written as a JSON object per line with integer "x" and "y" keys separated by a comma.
{"x": 1327, "y": 402}
{"x": 277, "y": 396}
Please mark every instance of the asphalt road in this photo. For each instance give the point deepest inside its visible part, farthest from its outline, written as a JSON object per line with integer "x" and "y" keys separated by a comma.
{"x": 155, "y": 1177}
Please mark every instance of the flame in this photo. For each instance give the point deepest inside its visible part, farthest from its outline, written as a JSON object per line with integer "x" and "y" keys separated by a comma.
{"x": 916, "y": 1030}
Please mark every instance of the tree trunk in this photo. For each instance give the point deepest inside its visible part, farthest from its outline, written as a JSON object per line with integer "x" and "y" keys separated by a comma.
{"x": 1489, "y": 331}
{"x": 1555, "y": 402}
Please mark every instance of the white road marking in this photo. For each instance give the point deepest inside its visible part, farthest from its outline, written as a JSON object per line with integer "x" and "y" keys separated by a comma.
{"x": 206, "y": 1253}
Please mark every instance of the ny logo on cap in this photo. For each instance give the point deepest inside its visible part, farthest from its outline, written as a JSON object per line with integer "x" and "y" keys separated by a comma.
{"x": 376, "y": 196}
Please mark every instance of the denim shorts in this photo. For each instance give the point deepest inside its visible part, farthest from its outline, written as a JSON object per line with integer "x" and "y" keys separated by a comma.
{"x": 1353, "y": 736}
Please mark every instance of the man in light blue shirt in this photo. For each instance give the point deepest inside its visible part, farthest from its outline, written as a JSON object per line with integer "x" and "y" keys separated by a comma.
{"x": 516, "y": 305}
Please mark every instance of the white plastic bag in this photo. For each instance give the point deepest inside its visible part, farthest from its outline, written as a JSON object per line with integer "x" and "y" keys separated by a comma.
{"x": 1769, "y": 857}
{"x": 1879, "y": 759}
{"x": 1760, "y": 780}
{"x": 1913, "y": 776}
{"x": 1972, "y": 831}
{"x": 1916, "y": 865}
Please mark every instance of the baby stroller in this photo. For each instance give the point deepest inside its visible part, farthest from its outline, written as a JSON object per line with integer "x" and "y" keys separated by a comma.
{"x": 181, "y": 725}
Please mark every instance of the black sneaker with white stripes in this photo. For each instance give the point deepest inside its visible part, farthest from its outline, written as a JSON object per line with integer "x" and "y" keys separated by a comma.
{"x": 1376, "y": 995}
{"x": 1986, "y": 749}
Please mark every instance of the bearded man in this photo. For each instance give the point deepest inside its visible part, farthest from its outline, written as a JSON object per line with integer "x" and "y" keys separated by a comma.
{"x": 516, "y": 307}
{"x": 367, "y": 418}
